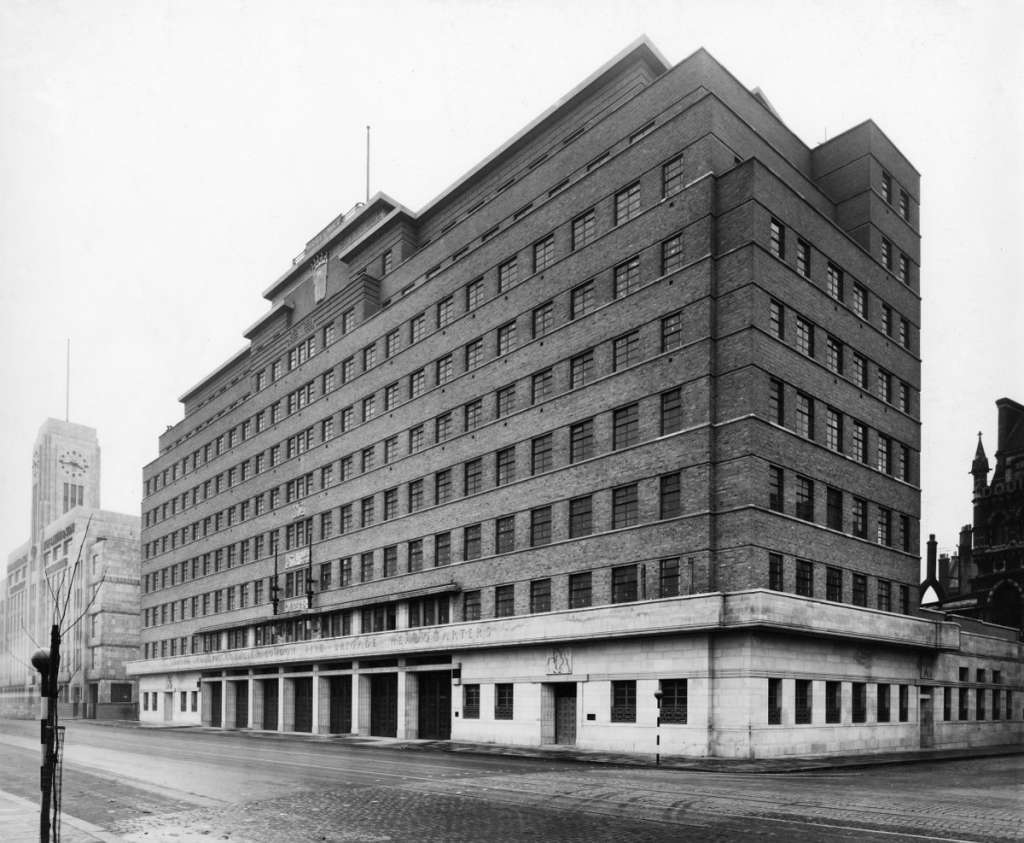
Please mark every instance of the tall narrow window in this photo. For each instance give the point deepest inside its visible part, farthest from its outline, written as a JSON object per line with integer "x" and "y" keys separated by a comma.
{"x": 627, "y": 203}
{"x": 626, "y": 426}
{"x": 804, "y": 498}
{"x": 802, "y": 701}
{"x": 775, "y": 488}
{"x": 627, "y": 277}
{"x": 581, "y": 513}
{"x": 777, "y": 235}
{"x": 834, "y": 281}
{"x": 834, "y": 508}
{"x": 544, "y": 253}
{"x": 671, "y": 411}
{"x": 583, "y": 229}
{"x": 803, "y": 258}
{"x": 672, "y": 254}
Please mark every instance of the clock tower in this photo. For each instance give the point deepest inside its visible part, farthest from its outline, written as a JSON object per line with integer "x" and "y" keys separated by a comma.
{"x": 65, "y": 471}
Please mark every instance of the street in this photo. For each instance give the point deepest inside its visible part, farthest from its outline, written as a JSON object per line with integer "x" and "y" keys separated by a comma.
{"x": 191, "y": 784}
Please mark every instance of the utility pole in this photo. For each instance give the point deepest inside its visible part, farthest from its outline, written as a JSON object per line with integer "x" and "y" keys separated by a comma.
{"x": 47, "y": 662}
{"x": 657, "y": 733}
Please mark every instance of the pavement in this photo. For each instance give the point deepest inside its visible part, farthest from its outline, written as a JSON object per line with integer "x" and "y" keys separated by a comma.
{"x": 786, "y": 764}
{"x": 19, "y": 819}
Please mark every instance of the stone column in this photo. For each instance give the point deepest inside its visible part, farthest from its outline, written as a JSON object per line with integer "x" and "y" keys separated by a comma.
{"x": 361, "y": 704}
{"x": 252, "y": 701}
{"x": 314, "y": 727}
{"x": 408, "y": 704}
{"x": 280, "y": 699}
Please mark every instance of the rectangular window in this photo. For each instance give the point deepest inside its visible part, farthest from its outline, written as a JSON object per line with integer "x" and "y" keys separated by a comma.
{"x": 623, "y": 701}
{"x": 503, "y": 701}
{"x": 904, "y": 703}
{"x": 473, "y": 476}
{"x": 366, "y": 567}
{"x": 803, "y": 258}
{"x": 833, "y": 508}
{"x": 776, "y": 401}
{"x": 627, "y": 203}
{"x": 887, "y": 254}
{"x": 859, "y": 702}
{"x": 581, "y": 441}
{"x": 580, "y": 517}
{"x": 834, "y": 585}
{"x": 802, "y": 701}
{"x": 834, "y": 282}
{"x": 471, "y": 611}
{"x": 860, "y": 301}
{"x": 775, "y": 571}
{"x": 443, "y": 489}
{"x": 471, "y": 542}
{"x": 540, "y": 596}
{"x": 505, "y": 400}
{"x": 542, "y": 386}
{"x": 947, "y": 703}
{"x": 625, "y": 426}
{"x": 505, "y": 466}
{"x": 672, "y": 177}
{"x": 805, "y": 415}
{"x": 834, "y": 355}
{"x": 583, "y": 230}
{"x": 670, "y": 496}
{"x": 415, "y": 495}
{"x": 581, "y": 300}
{"x": 887, "y": 187}
{"x": 443, "y": 369}
{"x": 777, "y": 319}
{"x": 625, "y": 506}
{"x": 774, "y": 702}
{"x": 860, "y": 590}
{"x": 540, "y": 526}
{"x": 672, "y": 332}
{"x": 671, "y": 411}
{"x": 627, "y": 277}
{"x": 884, "y": 530}
{"x": 905, "y": 205}
{"x": 671, "y": 254}
{"x": 543, "y": 319}
{"x": 505, "y": 534}
{"x": 541, "y": 454}
{"x": 474, "y": 294}
{"x": 417, "y": 328}
{"x": 860, "y": 442}
{"x": 581, "y": 369}
{"x": 366, "y": 509}
{"x": 390, "y": 504}
{"x": 903, "y": 271}
{"x": 506, "y": 338}
{"x": 833, "y": 702}
{"x": 473, "y": 414}
{"x": 626, "y": 351}
{"x": 474, "y": 353}
{"x": 962, "y": 705}
{"x": 442, "y": 549}
{"x": 580, "y": 590}
{"x": 884, "y": 595}
{"x": 668, "y": 577}
{"x": 508, "y": 274}
{"x": 544, "y": 253}
{"x": 777, "y": 238}
{"x": 834, "y": 429}
{"x": 884, "y": 461}
{"x": 882, "y": 708}
{"x": 445, "y": 312}
{"x": 624, "y": 584}
{"x": 804, "y": 578}
{"x": 504, "y": 601}
{"x": 443, "y": 427}
{"x": 804, "y": 336}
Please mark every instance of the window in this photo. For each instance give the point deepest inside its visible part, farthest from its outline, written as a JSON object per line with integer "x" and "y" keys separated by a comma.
{"x": 385, "y": 262}
{"x": 505, "y": 466}
{"x": 445, "y": 312}
{"x": 834, "y": 281}
{"x": 833, "y": 702}
{"x": 888, "y": 323}
{"x": 443, "y": 491}
{"x": 777, "y": 319}
{"x": 508, "y": 274}
{"x": 624, "y": 701}
{"x": 803, "y": 258}
{"x": 627, "y": 203}
{"x": 668, "y": 577}
{"x": 627, "y": 277}
{"x": 834, "y": 508}
{"x": 774, "y": 702}
{"x": 366, "y": 511}
{"x": 904, "y": 703}
{"x": 625, "y": 426}
{"x": 473, "y": 477}
{"x": 369, "y": 407}
{"x": 581, "y": 369}
{"x": 834, "y": 355}
{"x": 580, "y": 590}
{"x": 474, "y": 414}
{"x": 505, "y": 400}
{"x": 390, "y": 504}
{"x": 882, "y": 709}
{"x": 805, "y": 415}
{"x": 581, "y": 441}
{"x": 776, "y": 489}
{"x": 962, "y": 705}
{"x": 860, "y": 590}
{"x": 884, "y": 462}
{"x": 671, "y": 411}
{"x": 860, "y": 442}
{"x": 581, "y": 300}
{"x": 443, "y": 369}
{"x": 625, "y": 506}
{"x": 777, "y": 238}
{"x": 804, "y": 336}
{"x": 442, "y": 549}
{"x": 670, "y": 496}
{"x": 859, "y": 702}
{"x": 804, "y": 498}
{"x": 369, "y": 357}
{"x": 905, "y": 393}
{"x": 367, "y": 459}
{"x": 671, "y": 254}
{"x": 884, "y": 597}
{"x": 887, "y": 187}
{"x": 543, "y": 319}
{"x": 672, "y": 177}
{"x": 540, "y": 596}
{"x": 672, "y": 332}
{"x": 504, "y": 601}
{"x": 775, "y": 581}
{"x": 366, "y": 567}
{"x": 624, "y": 584}
{"x": 390, "y": 396}
{"x": 471, "y": 543}
{"x": 777, "y": 401}
{"x": 474, "y": 293}
{"x": 583, "y": 230}
{"x": 417, "y": 328}
{"x": 887, "y": 254}
{"x": 443, "y": 427}
{"x": 804, "y": 578}
{"x": 884, "y": 529}
{"x": 834, "y": 429}
{"x": 391, "y": 344}
{"x": 802, "y": 701}
{"x": 542, "y": 386}
{"x": 860, "y": 370}
{"x": 903, "y": 273}
{"x": 541, "y": 456}
{"x": 540, "y": 526}
{"x": 626, "y": 351}
{"x": 505, "y": 534}
{"x": 503, "y": 701}
{"x": 860, "y": 301}
{"x": 544, "y": 253}
{"x": 905, "y": 205}
{"x": 471, "y": 612}
{"x": 416, "y": 439}
{"x": 834, "y": 585}
{"x": 506, "y": 338}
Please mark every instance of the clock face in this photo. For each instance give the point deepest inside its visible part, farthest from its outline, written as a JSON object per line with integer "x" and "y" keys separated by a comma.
{"x": 74, "y": 464}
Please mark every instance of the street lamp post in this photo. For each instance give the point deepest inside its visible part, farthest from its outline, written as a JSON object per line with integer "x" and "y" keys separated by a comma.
{"x": 657, "y": 732}
{"x": 47, "y": 662}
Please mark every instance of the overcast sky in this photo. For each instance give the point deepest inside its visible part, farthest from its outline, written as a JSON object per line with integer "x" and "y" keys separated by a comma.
{"x": 161, "y": 163}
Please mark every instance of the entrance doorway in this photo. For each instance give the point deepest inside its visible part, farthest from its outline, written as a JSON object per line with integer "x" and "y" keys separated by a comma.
{"x": 269, "y": 704}
{"x": 216, "y": 703}
{"x": 435, "y": 705}
{"x": 340, "y": 695}
{"x": 303, "y": 704}
{"x": 241, "y": 704}
{"x": 94, "y": 700}
{"x": 384, "y": 705}
{"x": 565, "y": 712}
{"x": 926, "y": 715}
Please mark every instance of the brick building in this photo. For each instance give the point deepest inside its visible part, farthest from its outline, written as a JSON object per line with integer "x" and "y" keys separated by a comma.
{"x": 89, "y": 557}
{"x": 632, "y": 408}
{"x": 984, "y": 578}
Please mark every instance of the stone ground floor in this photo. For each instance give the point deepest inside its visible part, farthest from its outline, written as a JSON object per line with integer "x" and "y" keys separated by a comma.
{"x": 88, "y": 699}
{"x": 834, "y": 680}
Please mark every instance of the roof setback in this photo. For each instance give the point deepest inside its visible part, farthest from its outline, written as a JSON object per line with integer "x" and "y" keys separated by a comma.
{"x": 223, "y": 367}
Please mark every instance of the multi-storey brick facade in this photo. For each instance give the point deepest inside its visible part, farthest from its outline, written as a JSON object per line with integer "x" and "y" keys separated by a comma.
{"x": 504, "y": 468}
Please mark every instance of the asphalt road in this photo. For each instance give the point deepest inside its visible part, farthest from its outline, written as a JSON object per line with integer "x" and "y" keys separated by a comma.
{"x": 185, "y": 784}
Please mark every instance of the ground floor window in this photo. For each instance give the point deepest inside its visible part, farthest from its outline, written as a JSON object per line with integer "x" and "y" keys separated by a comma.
{"x": 882, "y": 713}
{"x": 833, "y": 702}
{"x": 802, "y": 701}
{"x": 673, "y": 701}
{"x": 195, "y": 700}
{"x": 979, "y": 704}
{"x": 961, "y": 713}
{"x": 504, "y": 700}
{"x": 774, "y": 702}
{"x": 471, "y": 702}
{"x": 859, "y": 702}
{"x": 624, "y": 701}
{"x": 904, "y": 703}
{"x": 184, "y": 700}
{"x": 145, "y": 701}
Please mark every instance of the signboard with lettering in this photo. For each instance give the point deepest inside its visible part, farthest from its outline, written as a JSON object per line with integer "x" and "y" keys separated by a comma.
{"x": 296, "y": 558}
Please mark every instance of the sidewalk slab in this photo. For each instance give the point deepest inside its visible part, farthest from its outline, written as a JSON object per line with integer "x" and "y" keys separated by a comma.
{"x": 19, "y": 823}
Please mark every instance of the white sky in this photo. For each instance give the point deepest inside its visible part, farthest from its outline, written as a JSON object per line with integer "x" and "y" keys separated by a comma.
{"x": 162, "y": 162}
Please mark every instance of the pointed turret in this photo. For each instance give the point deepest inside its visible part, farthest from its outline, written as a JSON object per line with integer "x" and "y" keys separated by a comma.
{"x": 979, "y": 468}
